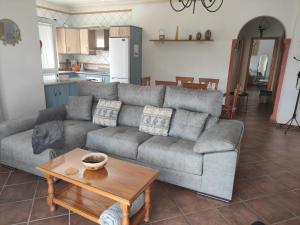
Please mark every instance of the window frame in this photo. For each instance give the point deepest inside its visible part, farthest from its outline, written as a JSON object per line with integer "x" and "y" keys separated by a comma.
{"x": 54, "y": 26}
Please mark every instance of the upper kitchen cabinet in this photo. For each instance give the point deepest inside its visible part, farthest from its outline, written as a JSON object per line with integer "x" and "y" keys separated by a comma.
{"x": 87, "y": 42}
{"x": 82, "y": 41}
{"x": 102, "y": 39}
{"x": 73, "y": 45}
{"x": 61, "y": 40}
{"x": 119, "y": 32}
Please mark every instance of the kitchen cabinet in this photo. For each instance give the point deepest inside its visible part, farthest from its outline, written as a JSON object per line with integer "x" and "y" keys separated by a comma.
{"x": 119, "y": 32}
{"x": 61, "y": 40}
{"x": 58, "y": 94}
{"x": 87, "y": 41}
{"x": 73, "y": 41}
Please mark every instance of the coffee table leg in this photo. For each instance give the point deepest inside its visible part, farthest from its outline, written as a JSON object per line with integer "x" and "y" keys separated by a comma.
{"x": 125, "y": 214}
{"x": 50, "y": 193}
{"x": 147, "y": 204}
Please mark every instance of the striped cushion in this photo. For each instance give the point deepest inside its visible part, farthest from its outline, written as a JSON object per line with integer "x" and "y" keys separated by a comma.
{"x": 106, "y": 113}
{"x": 156, "y": 121}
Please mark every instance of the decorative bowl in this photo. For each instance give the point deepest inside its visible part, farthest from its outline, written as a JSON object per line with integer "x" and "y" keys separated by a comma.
{"x": 94, "y": 161}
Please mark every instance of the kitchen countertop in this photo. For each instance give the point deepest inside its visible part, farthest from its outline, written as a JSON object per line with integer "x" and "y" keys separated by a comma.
{"x": 68, "y": 81}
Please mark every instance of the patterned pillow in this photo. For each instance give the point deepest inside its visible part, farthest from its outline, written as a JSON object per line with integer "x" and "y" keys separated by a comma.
{"x": 156, "y": 121}
{"x": 106, "y": 113}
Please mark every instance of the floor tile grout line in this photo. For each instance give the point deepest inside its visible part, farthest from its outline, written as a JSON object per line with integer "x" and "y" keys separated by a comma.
{"x": 255, "y": 213}
{"x": 32, "y": 204}
{"x": 19, "y": 201}
{"x": 49, "y": 217}
{"x": 283, "y": 221}
{"x": 168, "y": 218}
{"x": 7, "y": 178}
{"x": 29, "y": 182}
{"x": 181, "y": 211}
{"x": 221, "y": 214}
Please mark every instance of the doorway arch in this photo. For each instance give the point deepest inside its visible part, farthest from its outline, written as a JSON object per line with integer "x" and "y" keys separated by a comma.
{"x": 254, "y": 31}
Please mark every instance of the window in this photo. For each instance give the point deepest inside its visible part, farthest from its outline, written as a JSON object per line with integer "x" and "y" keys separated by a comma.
{"x": 48, "y": 47}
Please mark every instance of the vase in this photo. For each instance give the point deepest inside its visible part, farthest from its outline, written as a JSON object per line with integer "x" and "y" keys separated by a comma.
{"x": 177, "y": 33}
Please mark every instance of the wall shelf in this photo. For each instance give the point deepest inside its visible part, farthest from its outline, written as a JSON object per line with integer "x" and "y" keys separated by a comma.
{"x": 180, "y": 40}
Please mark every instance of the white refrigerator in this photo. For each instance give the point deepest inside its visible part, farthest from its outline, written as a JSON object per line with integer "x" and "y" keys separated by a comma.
{"x": 119, "y": 56}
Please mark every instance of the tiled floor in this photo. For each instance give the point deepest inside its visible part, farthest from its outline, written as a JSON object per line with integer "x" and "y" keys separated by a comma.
{"x": 267, "y": 187}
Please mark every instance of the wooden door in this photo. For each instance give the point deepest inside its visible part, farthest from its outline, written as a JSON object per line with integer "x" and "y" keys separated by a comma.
{"x": 73, "y": 41}
{"x": 84, "y": 41}
{"x": 61, "y": 40}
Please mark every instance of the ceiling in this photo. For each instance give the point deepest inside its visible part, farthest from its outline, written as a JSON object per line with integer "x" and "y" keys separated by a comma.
{"x": 77, "y": 3}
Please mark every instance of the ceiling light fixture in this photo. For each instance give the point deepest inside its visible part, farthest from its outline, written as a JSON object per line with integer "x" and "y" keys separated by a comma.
{"x": 209, "y": 5}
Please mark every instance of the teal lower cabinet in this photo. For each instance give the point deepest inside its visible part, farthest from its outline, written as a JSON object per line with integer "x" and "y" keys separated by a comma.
{"x": 58, "y": 94}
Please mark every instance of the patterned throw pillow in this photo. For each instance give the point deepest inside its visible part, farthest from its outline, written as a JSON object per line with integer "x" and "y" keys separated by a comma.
{"x": 106, "y": 113}
{"x": 156, "y": 121}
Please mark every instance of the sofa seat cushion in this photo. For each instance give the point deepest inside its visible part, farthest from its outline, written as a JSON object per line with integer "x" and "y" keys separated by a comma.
{"x": 76, "y": 132}
{"x": 121, "y": 141}
{"x": 171, "y": 153}
{"x": 16, "y": 151}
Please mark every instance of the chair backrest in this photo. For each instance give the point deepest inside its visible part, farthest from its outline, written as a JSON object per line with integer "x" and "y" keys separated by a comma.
{"x": 181, "y": 80}
{"x": 165, "y": 83}
{"x": 194, "y": 86}
{"x": 146, "y": 81}
{"x": 213, "y": 82}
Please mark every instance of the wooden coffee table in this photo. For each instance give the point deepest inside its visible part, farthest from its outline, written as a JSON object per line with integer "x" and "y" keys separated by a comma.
{"x": 91, "y": 192}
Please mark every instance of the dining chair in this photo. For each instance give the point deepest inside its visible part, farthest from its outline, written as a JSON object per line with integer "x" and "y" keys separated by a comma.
{"x": 229, "y": 110}
{"x": 165, "y": 83}
{"x": 194, "y": 86}
{"x": 146, "y": 81}
{"x": 181, "y": 80}
{"x": 213, "y": 82}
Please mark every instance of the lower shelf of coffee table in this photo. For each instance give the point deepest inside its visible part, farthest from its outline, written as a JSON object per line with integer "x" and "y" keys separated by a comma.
{"x": 83, "y": 202}
{"x": 88, "y": 204}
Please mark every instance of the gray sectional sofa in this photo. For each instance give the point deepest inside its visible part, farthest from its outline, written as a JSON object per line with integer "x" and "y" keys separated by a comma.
{"x": 206, "y": 165}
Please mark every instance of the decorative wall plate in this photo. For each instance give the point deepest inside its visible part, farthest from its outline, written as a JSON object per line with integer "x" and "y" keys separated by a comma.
{"x": 10, "y": 33}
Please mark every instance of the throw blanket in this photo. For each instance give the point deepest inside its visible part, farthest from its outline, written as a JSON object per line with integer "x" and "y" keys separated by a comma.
{"x": 49, "y": 130}
{"x": 113, "y": 215}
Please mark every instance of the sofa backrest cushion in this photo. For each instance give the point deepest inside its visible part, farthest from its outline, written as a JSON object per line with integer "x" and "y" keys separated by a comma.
{"x": 108, "y": 91}
{"x": 130, "y": 115}
{"x": 130, "y": 94}
{"x": 205, "y": 101}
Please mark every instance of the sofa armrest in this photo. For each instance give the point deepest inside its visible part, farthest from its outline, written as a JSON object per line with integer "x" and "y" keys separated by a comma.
{"x": 224, "y": 136}
{"x": 15, "y": 126}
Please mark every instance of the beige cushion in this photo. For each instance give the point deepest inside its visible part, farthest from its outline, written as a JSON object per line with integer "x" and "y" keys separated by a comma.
{"x": 106, "y": 113}
{"x": 156, "y": 121}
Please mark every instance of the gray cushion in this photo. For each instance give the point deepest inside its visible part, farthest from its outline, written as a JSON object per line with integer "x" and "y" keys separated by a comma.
{"x": 17, "y": 152}
{"x": 141, "y": 95}
{"x": 224, "y": 136}
{"x": 206, "y": 101}
{"x": 130, "y": 115}
{"x": 76, "y": 132}
{"x": 211, "y": 121}
{"x": 156, "y": 121}
{"x": 121, "y": 141}
{"x": 79, "y": 108}
{"x": 187, "y": 125}
{"x": 107, "y": 91}
{"x": 171, "y": 153}
{"x": 106, "y": 113}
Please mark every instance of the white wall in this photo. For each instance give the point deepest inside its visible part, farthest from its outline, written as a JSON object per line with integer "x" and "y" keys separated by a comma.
{"x": 289, "y": 92}
{"x": 21, "y": 84}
